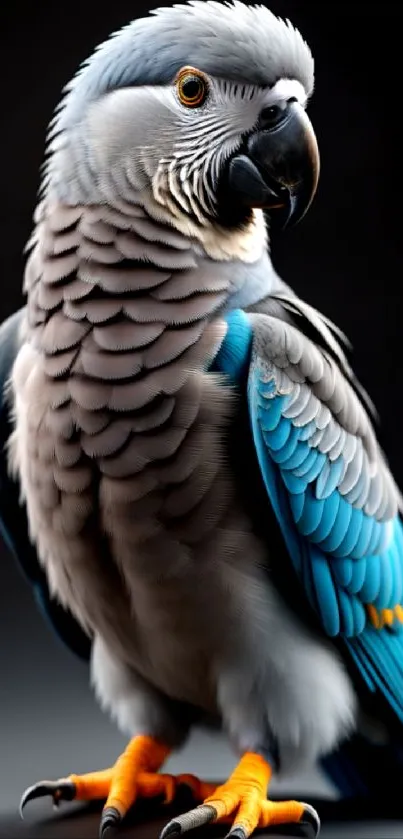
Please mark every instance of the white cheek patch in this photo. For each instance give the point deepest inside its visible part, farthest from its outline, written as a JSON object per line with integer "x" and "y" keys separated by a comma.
{"x": 286, "y": 89}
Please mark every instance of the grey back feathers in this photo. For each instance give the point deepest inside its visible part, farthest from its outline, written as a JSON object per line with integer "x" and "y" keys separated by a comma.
{"x": 241, "y": 43}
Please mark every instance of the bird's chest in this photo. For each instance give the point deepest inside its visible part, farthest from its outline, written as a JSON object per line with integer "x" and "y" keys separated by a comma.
{"x": 171, "y": 644}
{"x": 196, "y": 608}
{"x": 147, "y": 542}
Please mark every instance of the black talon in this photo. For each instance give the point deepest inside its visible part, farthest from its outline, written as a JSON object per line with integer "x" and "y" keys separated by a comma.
{"x": 311, "y": 818}
{"x": 110, "y": 821}
{"x": 237, "y": 833}
{"x": 58, "y": 790}
{"x": 170, "y": 829}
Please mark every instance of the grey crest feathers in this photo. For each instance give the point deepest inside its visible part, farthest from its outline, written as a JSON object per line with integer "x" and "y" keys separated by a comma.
{"x": 248, "y": 44}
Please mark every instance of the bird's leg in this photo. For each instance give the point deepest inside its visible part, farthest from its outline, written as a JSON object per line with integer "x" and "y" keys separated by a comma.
{"x": 135, "y": 775}
{"x": 242, "y": 801}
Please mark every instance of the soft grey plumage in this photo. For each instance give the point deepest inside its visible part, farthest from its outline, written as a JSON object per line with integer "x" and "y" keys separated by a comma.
{"x": 121, "y": 432}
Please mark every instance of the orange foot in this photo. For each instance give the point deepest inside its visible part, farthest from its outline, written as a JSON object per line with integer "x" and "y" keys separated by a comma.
{"x": 242, "y": 801}
{"x": 135, "y": 775}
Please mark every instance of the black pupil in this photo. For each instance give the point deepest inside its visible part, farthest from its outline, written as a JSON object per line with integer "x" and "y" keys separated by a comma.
{"x": 272, "y": 113}
{"x": 192, "y": 88}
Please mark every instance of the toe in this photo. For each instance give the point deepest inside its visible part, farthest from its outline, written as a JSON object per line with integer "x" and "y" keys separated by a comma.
{"x": 93, "y": 785}
{"x": 247, "y": 817}
{"x": 62, "y": 790}
{"x": 169, "y": 786}
{"x": 289, "y": 812}
{"x": 152, "y": 785}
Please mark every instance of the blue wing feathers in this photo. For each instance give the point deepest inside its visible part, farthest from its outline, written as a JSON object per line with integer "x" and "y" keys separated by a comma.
{"x": 283, "y": 455}
{"x": 325, "y": 591}
{"x": 269, "y": 423}
{"x": 350, "y": 539}
{"x": 372, "y": 580}
{"x": 335, "y": 536}
{"x": 383, "y": 600}
{"x": 330, "y": 511}
{"x": 365, "y": 538}
{"x": 293, "y": 484}
{"x": 279, "y": 435}
{"x": 343, "y": 572}
{"x": 297, "y": 505}
{"x": 329, "y": 477}
{"x": 311, "y": 517}
{"x": 344, "y": 558}
{"x": 307, "y": 430}
{"x": 360, "y": 615}
{"x": 297, "y": 457}
{"x": 341, "y": 544}
{"x": 302, "y": 471}
{"x": 345, "y": 606}
{"x": 356, "y": 581}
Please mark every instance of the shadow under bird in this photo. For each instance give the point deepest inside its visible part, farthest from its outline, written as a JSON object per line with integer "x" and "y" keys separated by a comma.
{"x": 211, "y": 520}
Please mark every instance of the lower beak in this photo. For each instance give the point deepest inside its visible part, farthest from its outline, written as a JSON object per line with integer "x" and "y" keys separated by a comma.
{"x": 280, "y": 168}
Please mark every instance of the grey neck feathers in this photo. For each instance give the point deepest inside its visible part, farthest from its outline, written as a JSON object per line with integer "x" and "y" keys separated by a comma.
{"x": 121, "y": 250}
{"x": 73, "y": 177}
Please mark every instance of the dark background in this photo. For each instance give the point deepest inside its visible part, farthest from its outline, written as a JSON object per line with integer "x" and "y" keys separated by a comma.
{"x": 345, "y": 258}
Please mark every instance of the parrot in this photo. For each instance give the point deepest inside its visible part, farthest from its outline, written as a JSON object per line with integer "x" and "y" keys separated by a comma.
{"x": 191, "y": 477}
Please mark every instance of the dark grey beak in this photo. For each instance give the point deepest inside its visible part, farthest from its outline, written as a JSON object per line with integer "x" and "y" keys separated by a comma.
{"x": 280, "y": 165}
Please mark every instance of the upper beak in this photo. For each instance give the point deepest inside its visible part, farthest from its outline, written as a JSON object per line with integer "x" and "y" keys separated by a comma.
{"x": 280, "y": 167}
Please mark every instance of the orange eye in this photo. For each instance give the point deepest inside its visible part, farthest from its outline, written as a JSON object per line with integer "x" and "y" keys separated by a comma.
{"x": 192, "y": 87}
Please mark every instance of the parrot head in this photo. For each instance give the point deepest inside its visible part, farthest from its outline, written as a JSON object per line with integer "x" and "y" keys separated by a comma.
{"x": 197, "y": 112}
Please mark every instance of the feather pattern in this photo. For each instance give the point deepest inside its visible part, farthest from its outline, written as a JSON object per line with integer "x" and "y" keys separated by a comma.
{"x": 107, "y": 387}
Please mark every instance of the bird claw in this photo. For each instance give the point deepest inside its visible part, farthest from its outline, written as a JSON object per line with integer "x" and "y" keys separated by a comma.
{"x": 198, "y": 817}
{"x": 311, "y": 818}
{"x": 205, "y": 813}
{"x": 237, "y": 833}
{"x": 110, "y": 822}
{"x": 62, "y": 790}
